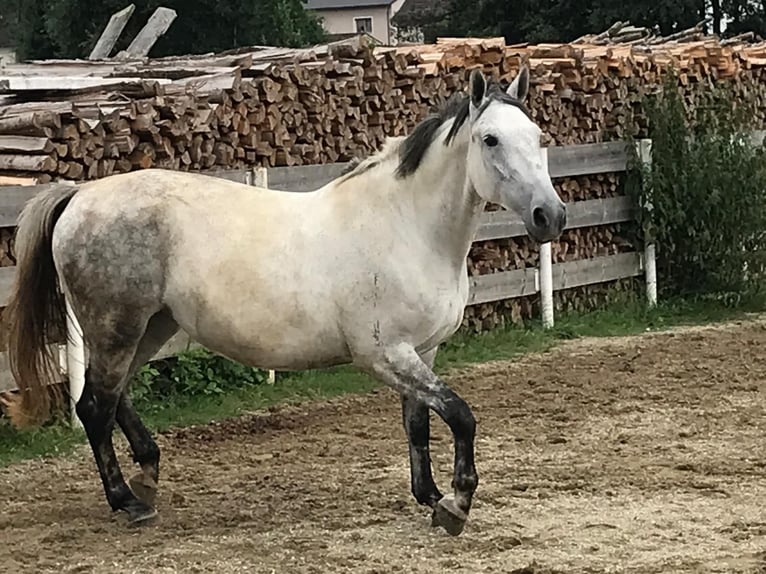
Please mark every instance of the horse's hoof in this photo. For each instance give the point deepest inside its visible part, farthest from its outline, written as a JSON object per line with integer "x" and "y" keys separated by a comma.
{"x": 140, "y": 513}
{"x": 447, "y": 515}
{"x": 144, "y": 487}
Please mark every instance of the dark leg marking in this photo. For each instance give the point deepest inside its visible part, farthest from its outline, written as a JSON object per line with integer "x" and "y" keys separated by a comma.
{"x": 402, "y": 369}
{"x": 97, "y": 410}
{"x": 416, "y": 422}
{"x": 416, "y": 418}
{"x": 145, "y": 451}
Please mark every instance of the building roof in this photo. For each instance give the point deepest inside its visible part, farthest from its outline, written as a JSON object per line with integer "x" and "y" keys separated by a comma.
{"x": 417, "y": 12}
{"x": 341, "y": 4}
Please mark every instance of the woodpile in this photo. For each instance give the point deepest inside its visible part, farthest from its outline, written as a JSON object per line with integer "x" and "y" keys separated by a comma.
{"x": 84, "y": 120}
{"x": 88, "y": 119}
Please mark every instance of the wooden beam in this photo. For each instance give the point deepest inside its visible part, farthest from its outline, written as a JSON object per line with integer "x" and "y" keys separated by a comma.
{"x": 596, "y": 270}
{"x": 587, "y": 159}
{"x": 7, "y": 382}
{"x": 502, "y": 285}
{"x": 13, "y": 198}
{"x": 158, "y": 24}
{"x": 111, "y": 33}
{"x": 177, "y": 343}
{"x": 304, "y": 177}
{"x": 59, "y": 83}
{"x": 7, "y": 277}
{"x": 589, "y": 213}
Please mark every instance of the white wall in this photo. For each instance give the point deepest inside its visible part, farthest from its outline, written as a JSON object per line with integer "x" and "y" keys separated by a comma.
{"x": 341, "y": 21}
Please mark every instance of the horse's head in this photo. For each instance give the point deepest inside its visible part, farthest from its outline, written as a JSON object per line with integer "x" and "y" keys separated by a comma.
{"x": 506, "y": 164}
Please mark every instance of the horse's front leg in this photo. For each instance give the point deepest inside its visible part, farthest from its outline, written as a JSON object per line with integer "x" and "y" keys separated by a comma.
{"x": 415, "y": 416}
{"x": 401, "y": 368}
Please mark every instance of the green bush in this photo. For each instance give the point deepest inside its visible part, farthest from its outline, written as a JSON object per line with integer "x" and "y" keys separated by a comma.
{"x": 706, "y": 187}
{"x": 192, "y": 373}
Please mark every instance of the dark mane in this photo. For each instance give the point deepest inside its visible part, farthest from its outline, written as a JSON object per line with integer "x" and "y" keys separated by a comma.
{"x": 414, "y": 147}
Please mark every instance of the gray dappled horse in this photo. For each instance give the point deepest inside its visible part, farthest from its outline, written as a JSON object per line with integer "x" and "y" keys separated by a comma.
{"x": 369, "y": 269}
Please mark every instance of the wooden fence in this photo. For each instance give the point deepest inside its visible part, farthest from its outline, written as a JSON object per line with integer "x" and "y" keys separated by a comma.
{"x": 564, "y": 161}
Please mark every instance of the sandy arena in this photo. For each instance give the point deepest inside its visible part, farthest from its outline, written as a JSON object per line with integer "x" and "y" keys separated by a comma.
{"x": 643, "y": 454}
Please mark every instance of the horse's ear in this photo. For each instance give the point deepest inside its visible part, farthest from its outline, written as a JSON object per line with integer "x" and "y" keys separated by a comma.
{"x": 519, "y": 88}
{"x": 478, "y": 87}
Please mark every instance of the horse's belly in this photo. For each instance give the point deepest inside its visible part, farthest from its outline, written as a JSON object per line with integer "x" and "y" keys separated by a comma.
{"x": 281, "y": 337}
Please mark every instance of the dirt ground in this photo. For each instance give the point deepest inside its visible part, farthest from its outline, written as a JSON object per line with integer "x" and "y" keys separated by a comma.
{"x": 642, "y": 454}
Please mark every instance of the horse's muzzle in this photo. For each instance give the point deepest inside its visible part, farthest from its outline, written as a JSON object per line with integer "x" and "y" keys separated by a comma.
{"x": 547, "y": 222}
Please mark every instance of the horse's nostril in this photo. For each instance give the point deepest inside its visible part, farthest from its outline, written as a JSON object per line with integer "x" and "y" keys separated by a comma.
{"x": 539, "y": 218}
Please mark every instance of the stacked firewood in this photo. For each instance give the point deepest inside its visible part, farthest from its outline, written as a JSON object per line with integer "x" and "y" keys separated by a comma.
{"x": 85, "y": 120}
{"x": 82, "y": 120}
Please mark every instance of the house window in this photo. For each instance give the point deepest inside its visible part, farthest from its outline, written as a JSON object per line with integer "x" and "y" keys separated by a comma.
{"x": 363, "y": 25}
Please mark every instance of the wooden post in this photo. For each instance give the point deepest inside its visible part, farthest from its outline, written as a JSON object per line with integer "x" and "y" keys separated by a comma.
{"x": 259, "y": 177}
{"x": 75, "y": 362}
{"x": 157, "y": 25}
{"x": 650, "y": 261}
{"x": 546, "y": 275}
{"x": 546, "y": 285}
{"x": 111, "y": 33}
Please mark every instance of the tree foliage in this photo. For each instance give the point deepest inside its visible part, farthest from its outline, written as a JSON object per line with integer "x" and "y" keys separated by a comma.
{"x": 70, "y": 28}
{"x": 538, "y": 21}
{"x": 704, "y": 193}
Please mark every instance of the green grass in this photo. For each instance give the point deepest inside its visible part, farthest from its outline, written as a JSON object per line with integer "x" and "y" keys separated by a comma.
{"x": 625, "y": 318}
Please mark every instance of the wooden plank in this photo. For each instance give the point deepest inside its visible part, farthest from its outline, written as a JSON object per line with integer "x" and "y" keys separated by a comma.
{"x": 503, "y": 285}
{"x": 25, "y": 144}
{"x": 7, "y": 382}
{"x": 7, "y": 276}
{"x": 237, "y": 175}
{"x": 304, "y": 177}
{"x": 522, "y": 282}
{"x": 586, "y": 159}
{"x": 177, "y": 343}
{"x": 592, "y": 212}
{"x": 158, "y": 24}
{"x": 14, "y": 197}
{"x": 111, "y": 33}
{"x": 500, "y": 225}
{"x": 180, "y": 342}
{"x": 58, "y": 83}
{"x": 596, "y": 270}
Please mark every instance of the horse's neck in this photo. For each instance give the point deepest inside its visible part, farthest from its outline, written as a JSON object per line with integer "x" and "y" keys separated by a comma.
{"x": 447, "y": 205}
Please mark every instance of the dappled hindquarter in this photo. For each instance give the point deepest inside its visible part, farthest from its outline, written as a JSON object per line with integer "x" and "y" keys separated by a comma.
{"x": 640, "y": 454}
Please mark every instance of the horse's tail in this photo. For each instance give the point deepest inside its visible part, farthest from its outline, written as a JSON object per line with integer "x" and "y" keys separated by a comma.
{"x": 36, "y": 312}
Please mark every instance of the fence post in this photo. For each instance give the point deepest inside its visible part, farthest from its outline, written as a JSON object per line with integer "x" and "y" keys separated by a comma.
{"x": 650, "y": 252}
{"x": 259, "y": 177}
{"x": 75, "y": 362}
{"x": 546, "y": 284}
{"x": 546, "y": 275}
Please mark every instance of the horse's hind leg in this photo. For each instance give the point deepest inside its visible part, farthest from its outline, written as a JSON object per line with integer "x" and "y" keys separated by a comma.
{"x": 146, "y": 453}
{"x": 105, "y": 380}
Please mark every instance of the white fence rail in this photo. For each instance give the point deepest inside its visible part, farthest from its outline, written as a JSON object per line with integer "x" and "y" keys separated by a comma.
{"x": 562, "y": 162}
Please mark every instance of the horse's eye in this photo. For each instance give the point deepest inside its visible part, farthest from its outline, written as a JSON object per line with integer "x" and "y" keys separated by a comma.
{"x": 491, "y": 141}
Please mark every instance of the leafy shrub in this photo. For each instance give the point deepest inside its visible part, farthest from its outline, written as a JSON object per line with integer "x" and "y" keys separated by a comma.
{"x": 704, "y": 194}
{"x": 192, "y": 373}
